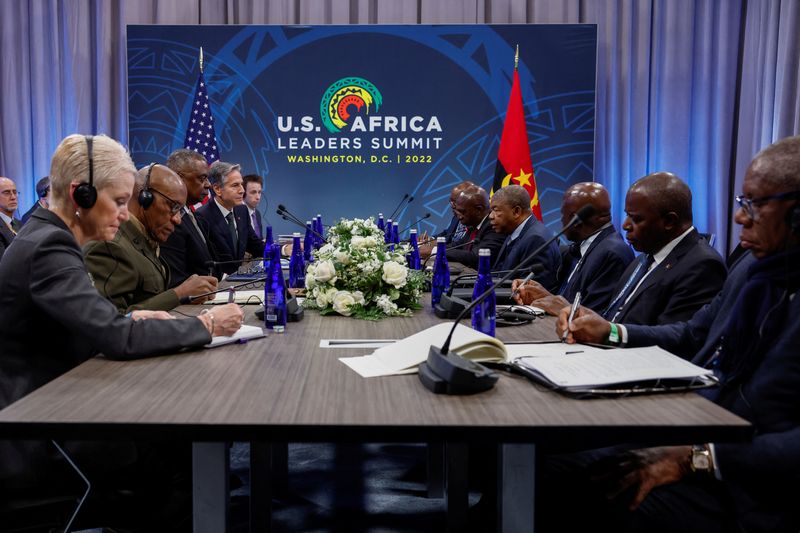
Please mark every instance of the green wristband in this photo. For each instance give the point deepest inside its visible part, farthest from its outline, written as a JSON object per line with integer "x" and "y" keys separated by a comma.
{"x": 613, "y": 336}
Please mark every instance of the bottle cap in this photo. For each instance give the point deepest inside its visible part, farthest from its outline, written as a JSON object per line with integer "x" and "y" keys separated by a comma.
{"x": 440, "y": 239}
{"x": 395, "y": 224}
{"x": 380, "y": 214}
{"x": 296, "y": 234}
{"x": 413, "y": 232}
{"x": 308, "y": 222}
{"x": 485, "y": 251}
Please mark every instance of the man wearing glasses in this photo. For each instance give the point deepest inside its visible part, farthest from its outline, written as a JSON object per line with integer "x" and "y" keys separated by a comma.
{"x": 9, "y": 226}
{"x": 186, "y": 251}
{"x": 129, "y": 270}
{"x": 749, "y": 335}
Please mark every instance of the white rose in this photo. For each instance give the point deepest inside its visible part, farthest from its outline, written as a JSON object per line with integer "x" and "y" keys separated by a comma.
{"x": 395, "y": 274}
{"x": 326, "y": 249}
{"x": 342, "y": 257}
{"x": 342, "y": 301}
{"x": 370, "y": 242}
{"x": 323, "y": 272}
{"x": 359, "y": 297}
{"x": 357, "y": 242}
{"x": 325, "y": 296}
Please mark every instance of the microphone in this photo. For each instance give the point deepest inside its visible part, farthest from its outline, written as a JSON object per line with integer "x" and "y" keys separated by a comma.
{"x": 286, "y": 216}
{"x": 188, "y": 299}
{"x": 583, "y": 213}
{"x": 282, "y": 211}
{"x": 406, "y": 198}
{"x": 420, "y": 219}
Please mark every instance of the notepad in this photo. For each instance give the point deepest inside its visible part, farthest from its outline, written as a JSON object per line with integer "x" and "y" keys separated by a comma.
{"x": 243, "y": 334}
{"x": 251, "y": 297}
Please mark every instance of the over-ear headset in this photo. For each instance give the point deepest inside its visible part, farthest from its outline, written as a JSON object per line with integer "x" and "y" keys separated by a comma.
{"x": 145, "y": 195}
{"x": 85, "y": 195}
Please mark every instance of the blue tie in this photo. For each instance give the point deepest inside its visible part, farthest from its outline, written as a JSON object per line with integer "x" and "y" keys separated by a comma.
{"x": 613, "y": 310}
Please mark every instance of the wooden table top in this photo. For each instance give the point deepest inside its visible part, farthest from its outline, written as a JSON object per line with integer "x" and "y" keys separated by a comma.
{"x": 285, "y": 387}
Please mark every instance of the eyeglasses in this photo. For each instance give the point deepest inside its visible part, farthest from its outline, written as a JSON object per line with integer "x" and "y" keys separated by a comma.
{"x": 174, "y": 207}
{"x": 749, "y": 205}
{"x": 9, "y": 192}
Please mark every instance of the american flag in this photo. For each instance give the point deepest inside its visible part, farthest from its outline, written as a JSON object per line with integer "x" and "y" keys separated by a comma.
{"x": 200, "y": 135}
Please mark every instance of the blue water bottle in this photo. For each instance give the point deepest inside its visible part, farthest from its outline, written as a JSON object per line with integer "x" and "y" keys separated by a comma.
{"x": 484, "y": 314}
{"x": 387, "y": 233}
{"x": 267, "y": 248}
{"x": 297, "y": 267}
{"x": 441, "y": 272}
{"x": 309, "y": 241}
{"x": 413, "y": 256}
{"x": 275, "y": 293}
{"x": 395, "y": 234}
{"x": 381, "y": 223}
{"x": 320, "y": 238}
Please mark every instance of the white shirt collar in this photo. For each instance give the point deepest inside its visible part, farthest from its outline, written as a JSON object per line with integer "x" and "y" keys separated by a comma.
{"x": 250, "y": 210}
{"x": 518, "y": 229}
{"x": 662, "y": 254}
{"x": 222, "y": 208}
{"x": 7, "y": 219}
{"x": 587, "y": 242}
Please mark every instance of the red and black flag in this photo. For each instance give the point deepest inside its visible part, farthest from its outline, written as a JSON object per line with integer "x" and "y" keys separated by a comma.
{"x": 514, "y": 156}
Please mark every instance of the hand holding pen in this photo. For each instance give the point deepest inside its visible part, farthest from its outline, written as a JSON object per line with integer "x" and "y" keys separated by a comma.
{"x": 585, "y": 325}
{"x": 575, "y": 304}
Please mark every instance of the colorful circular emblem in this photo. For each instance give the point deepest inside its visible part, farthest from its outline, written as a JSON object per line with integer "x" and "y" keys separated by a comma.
{"x": 335, "y": 104}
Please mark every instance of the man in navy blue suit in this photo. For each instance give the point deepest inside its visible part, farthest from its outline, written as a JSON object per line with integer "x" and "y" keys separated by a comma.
{"x": 225, "y": 219}
{"x": 749, "y": 334}
{"x": 186, "y": 250}
{"x": 511, "y": 215}
{"x": 596, "y": 258}
{"x": 253, "y": 185}
{"x": 677, "y": 272}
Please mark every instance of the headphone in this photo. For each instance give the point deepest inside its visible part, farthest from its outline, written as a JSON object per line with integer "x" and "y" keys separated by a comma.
{"x": 146, "y": 197}
{"x": 793, "y": 219}
{"x": 85, "y": 195}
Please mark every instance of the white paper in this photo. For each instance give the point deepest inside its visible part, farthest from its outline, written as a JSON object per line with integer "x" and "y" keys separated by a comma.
{"x": 608, "y": 367}
{"x": 355, "y": 343}
{"x": 404, "y": 356}
{"x": 244, "y": 333}
{"x": 548, "y": 349}
{"x": 252, "y": 297}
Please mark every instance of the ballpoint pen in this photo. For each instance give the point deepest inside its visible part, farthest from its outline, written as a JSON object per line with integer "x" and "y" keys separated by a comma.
{"x": 231, "y": 296}
{"x": 572, "y": 310}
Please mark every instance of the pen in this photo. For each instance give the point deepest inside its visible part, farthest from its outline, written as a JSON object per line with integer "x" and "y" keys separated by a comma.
{"x": 231, "y": 296}
{"x": 572, "y": 310}
{"x": 515, "y": 292}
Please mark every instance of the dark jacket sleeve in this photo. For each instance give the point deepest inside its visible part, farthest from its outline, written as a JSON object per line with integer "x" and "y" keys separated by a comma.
{"x": 174, "y": 252}
{"x": 696, "y": 287}
{"x": 491, "y": 240}
{"x": 61, "y": 286}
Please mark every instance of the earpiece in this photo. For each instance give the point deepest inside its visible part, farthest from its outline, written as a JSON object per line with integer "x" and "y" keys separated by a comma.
{"x": 145, "y": 195}
{"x": 793, "y": 219}
{"x": 85, "y": 195}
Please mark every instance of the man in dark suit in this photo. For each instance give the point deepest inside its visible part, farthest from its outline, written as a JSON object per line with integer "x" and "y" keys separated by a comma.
{"x": 253, "y": 185}
{"x": 128, "y": 270}
{"x": 749, "y": 335}
{"x": 596, "y": 258}
{"x": 455, "y": 230}
{"x": 9, "y": 201}
{"x": 511, "y": 216}
{"x": 225, "y": 219}
{"x": 43, "y": 193}
{"x": 472, "y": 210}
{"x": 186, "y": 250}
{"x": 677, "y": 272}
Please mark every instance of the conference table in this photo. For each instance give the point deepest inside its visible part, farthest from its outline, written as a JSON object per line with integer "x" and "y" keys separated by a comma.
{"x": 286, "y": 388}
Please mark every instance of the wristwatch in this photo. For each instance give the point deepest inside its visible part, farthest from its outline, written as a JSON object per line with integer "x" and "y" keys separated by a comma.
{"x": 702, "y": 460}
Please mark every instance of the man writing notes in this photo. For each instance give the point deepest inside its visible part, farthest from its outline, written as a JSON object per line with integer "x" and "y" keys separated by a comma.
{"x": 9, "y": 201}
{"x": 749, "y": 334}
{"x": 677, "y": 272}
{"x": 225, "y": 219}
{"x": 128, "y": 270}
{"x": 596, "y": 258}
{"x": 511, "y": 216}
{"x": 186, "y": 250}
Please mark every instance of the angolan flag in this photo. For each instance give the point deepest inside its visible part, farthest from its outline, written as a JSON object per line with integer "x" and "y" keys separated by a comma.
{"x": 514, "y": 165}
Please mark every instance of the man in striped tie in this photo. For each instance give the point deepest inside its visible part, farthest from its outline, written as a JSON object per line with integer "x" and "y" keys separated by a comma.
{"x": 9, "y": 201}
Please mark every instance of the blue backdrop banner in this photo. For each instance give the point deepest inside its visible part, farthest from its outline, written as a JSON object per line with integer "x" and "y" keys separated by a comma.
{"x": 345, "y": 120}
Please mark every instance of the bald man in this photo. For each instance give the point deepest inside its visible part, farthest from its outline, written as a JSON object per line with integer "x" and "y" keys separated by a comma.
{"x": 129, "y": 270}
{"x": 9, "y": 201}
{"x": 472, "y": 210}
{"x": 595, "y": 261}
{"x": 677, "y": 272}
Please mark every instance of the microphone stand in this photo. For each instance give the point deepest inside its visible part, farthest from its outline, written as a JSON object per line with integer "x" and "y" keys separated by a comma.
{"x": 420, "y": 219}
{"x": 187, "y": 299}
{"x": 402, "y": 201}
{"x": 287, "y": 217}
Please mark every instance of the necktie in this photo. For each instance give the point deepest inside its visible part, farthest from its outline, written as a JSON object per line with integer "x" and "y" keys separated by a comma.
{"x": 234, "y": 235}
{"x": 255, "y": 224}
{"x": 501, "y": 257}
{"x": 473, "y": 234}
{"x": 16, "y": 225}
{"x": 575, "y": 260}
{"x": 613, "y": 310}
{"x": 189, "y": 213}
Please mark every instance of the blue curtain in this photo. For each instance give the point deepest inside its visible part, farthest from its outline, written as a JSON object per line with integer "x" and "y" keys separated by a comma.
{"x": 695, "y": 87}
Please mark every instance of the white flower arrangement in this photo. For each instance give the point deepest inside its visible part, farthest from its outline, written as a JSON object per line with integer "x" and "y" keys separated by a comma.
{"x": 355, "y": 274}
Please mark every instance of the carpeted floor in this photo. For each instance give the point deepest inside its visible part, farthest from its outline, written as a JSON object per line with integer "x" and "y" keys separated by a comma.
{"x": 344, "y": 487}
